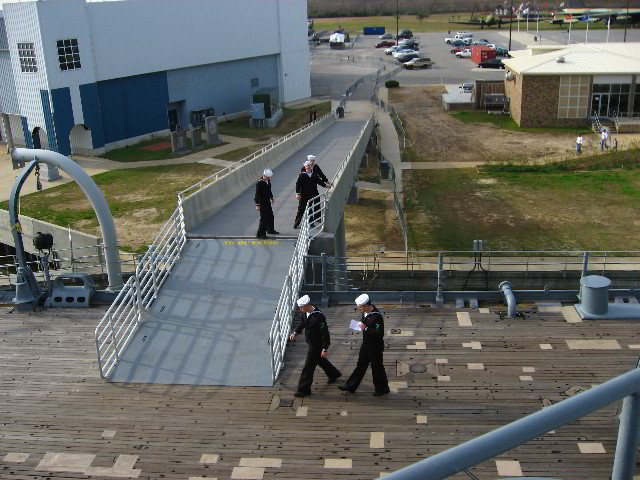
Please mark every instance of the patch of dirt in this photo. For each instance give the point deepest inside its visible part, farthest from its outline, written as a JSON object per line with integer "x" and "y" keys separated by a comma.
{"x": 145, "y": 213}
{"x": 438, "y": 136}
{"x": 135, "y": 233}
{"x": 373, "y": 223}
{"x": 487, "y": 181}
{"x": 132, "y": 197}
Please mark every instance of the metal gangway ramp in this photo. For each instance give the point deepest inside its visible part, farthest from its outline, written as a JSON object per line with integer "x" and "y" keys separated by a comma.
{"x": 210, "y": 304}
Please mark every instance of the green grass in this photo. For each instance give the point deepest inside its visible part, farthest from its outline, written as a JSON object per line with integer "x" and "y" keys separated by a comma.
{"x": 433, "y": 23}
{"x": 135, "y": 153}
{"x": 622, "y": 160}
{"x": 590, "y": 210}
{"x": 293, "y": 118}
{"x": 240, "y": 153}
{"x": 146, "y": 196}
{"x": 506, "y": 122}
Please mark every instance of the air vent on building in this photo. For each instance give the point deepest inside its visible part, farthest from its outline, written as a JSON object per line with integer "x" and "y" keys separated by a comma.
{"x": 560, "y": 59}
{"x": 509, "y": 76}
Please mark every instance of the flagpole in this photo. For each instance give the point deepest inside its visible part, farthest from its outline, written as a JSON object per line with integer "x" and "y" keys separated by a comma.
{"x": 586, "y": 38}
{"x": 608, "y": 28}
{"x": 570, "y": 23}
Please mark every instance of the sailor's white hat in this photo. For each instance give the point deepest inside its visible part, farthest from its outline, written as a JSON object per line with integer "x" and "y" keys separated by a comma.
{"x": 304, "y": 300}
{"x": 362, "y": 299}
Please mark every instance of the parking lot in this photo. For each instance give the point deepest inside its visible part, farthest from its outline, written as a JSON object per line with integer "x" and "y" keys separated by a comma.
{"x": 329, "y": 79}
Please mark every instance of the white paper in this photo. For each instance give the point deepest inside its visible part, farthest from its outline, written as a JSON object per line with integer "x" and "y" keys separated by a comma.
{"x": 355, "y": 325}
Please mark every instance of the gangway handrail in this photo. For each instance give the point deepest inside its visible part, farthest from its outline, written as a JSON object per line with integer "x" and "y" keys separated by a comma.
{"x": 122, "y": 319}
{"x": 285, "y": 309}
{"x": 519, "y": 432}
{"x": 230, "y": 168}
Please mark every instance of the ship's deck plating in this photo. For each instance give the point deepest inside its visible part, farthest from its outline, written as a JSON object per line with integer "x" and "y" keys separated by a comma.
{"x": 59, "y": 419}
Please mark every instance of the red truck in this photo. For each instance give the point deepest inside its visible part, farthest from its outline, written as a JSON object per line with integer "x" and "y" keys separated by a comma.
{"x": 482, "y": 53}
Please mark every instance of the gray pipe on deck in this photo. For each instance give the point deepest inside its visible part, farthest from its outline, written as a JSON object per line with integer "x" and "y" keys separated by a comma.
{"x": 96, "y": 198}
{"x": 509, "y": 297}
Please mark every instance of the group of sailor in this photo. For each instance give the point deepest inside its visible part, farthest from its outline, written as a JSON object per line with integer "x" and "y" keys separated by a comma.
{"x": 311, "y": 175}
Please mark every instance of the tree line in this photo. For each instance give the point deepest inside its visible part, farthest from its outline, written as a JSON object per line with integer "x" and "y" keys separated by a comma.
{"x": 424, "y": 8}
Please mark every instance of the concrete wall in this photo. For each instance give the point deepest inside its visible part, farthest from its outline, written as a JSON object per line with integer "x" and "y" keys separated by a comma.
{"x": 342, "y": 188}
{"x": 208, "y": 201}
{"x": 30, "y": 226}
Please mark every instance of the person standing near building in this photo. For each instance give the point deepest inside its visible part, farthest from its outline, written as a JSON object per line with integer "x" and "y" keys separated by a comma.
{"x": 316, "y": 334}
{"x": 603, "y": 139}
{"x": 372, "y": 326}
{"x": 316, "y": 169}
{"x": 579, "y": 142}
{"x": 264, "y": 200}
{"x": 307, "y": 189}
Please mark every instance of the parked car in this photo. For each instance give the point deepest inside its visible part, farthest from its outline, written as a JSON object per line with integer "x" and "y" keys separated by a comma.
{"x": 420, "y": 62}
{"x": 491, "y": 45}
{"x": 405, "y": 57}
{"x": 406, "y": 33}
{"x": 386, "y": 36}
{"x": 390, "y": 50}
{"x": 502, "y": 52}
{"x": 491, "y": 63}
{"x": 409, "y": 43}
{"x": 466, "y": 88}
{"x": 464, "y": 34}
{"x": 466, "y": 53}
{"x": 458, "y": 43}
{"x": 458, "y": 49}
{"x": 402, "y": 51}
{"x": 482, "y": 41}
{"x": 385, "y": 43}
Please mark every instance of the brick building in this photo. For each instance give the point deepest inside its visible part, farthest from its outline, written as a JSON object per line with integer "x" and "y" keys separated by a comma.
{"x": 570, "y": 85}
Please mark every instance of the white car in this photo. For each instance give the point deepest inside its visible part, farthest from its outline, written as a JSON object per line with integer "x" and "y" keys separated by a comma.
{"x": 464, "y": 34}
{"x": 390, "y": 50}
{"x": 402, "y": 51}
{"x": 387, "y": 36}
{"x": 466, "y": 53}
{"x": 418, "y": 63}
{"x": 491, "y": 46}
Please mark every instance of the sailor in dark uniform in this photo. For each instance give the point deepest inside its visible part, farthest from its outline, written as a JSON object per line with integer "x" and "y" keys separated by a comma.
{"x": 263, "y": 200}
{"x": 316, "y": 169}
{"x": 372, "y": 326}
{"x": 306, "y": 189}
{"x": 317, "y": 336}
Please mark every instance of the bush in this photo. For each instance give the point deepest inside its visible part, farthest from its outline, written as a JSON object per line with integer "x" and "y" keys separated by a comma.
{"x": 391, "y": 84}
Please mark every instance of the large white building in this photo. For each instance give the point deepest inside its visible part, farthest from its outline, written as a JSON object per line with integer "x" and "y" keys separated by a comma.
{"x": 90, "y": 76}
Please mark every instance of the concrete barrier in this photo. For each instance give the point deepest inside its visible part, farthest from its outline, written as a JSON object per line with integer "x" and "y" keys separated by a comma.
{"x": 83, "y": 244}
{"x": 206, "y": 202}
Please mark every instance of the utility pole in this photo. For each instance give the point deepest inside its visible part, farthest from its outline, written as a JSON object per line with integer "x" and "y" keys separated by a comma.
{"x": 398, "y": 21}
{"x": 625, "y": 23}
{"x": 510, "y": 23}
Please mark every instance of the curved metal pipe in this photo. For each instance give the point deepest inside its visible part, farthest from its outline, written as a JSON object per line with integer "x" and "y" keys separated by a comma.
{"x": 509, "y": 297}
{"x": 96, "y": 198}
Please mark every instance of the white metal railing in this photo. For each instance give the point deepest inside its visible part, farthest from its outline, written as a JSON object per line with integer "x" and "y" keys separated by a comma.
{"x": 120, "y": 323}
{"x": 64, "y": 260}
{"x": 293, "y": 281}
{"x": 230, "y": 168}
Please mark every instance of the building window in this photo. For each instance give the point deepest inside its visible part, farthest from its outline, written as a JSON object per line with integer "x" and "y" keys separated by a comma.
{"x": 573, "y": 101}
{"x": 255, "y": 83}
{"x": 68, "y": 54}
{"x": 610, "y": 99}
{"x": 636, "y": 101}
{"x": 27, "y": 56}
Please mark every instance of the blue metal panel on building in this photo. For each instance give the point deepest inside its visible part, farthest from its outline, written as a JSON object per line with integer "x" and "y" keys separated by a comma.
{"x": 133, "y": 106}
{"x": 62, "y": 118}
{"x": 48, "y": 120}
{"x": 373, "y": 30}
{"x": 28, "y": 140}
{"x": 225, "y": 86}
{"x": 92, "y": 114}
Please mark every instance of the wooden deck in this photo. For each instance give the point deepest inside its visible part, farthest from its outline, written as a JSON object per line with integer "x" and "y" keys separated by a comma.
{"x": 52, "y": 401}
